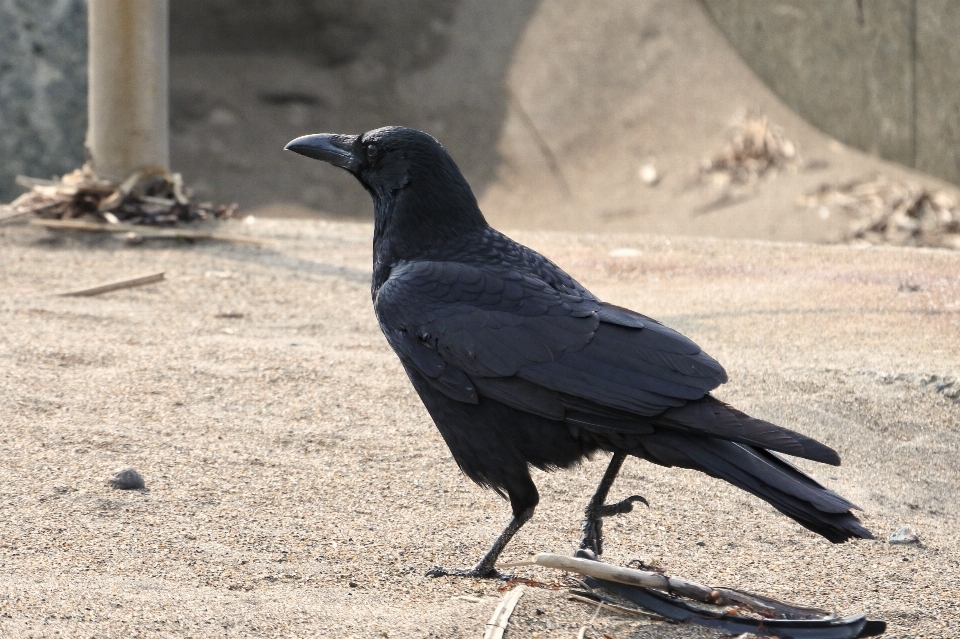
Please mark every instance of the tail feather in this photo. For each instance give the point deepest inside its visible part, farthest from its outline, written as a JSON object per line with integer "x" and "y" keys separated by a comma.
{"x": 711, "y": 416}
{"x": 761, "y": 473}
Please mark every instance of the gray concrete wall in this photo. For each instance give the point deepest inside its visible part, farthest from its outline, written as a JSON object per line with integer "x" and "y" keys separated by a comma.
{"x": 880, "y": 75}
{"x": 43, "y": 88}
{"x": 938, "y": 88}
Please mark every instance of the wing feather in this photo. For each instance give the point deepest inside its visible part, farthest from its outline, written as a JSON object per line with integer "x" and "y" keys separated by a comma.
{"x": 491, "y": 331}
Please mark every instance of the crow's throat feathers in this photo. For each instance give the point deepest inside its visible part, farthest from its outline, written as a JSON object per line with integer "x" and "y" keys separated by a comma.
{"x": 430, "y": 207}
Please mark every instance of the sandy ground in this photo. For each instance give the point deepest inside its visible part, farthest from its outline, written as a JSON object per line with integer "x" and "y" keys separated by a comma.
{"x": 296, "y": 487}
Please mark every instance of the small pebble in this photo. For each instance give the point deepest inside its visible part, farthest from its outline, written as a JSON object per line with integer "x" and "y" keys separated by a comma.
{"x": 905, "y": 535}
{"x": 648, "y": 174}
{"x": 127, "y": 479}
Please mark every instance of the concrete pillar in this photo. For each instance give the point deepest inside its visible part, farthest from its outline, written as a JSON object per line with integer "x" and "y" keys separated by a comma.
{"x": 128, "y": 125}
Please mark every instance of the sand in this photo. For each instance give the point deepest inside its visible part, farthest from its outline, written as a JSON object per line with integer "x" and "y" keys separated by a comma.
{"x": 295, "y": 486}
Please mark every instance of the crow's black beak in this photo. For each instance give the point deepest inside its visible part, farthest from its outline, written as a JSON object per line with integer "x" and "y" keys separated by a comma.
{"x": 329, "y": 147}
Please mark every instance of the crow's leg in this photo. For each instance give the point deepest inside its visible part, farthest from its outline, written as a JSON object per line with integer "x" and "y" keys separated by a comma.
{"x": 486, "y": 566}
{"x": 523, "y": 499}
{"x": 596, "y": 510}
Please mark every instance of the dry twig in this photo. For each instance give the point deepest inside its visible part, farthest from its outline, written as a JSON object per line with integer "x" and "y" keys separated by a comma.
{"x": 501, "y": 615}
{"x": 115, "y": 286}
{"x": 146, "y": 232}
{"x": 769, "y": 615}
{"x": 760, "y": 605}
{"x": 583, "y": 629}
{"x": 629, "y": 576}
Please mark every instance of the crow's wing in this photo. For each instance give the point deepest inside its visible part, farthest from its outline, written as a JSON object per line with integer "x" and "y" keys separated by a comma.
{"x": 564, "y": 355}
{"x": 514, "y": 338}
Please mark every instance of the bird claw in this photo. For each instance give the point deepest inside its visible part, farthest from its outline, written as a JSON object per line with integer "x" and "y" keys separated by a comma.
{"x": 593, "y": 526}
{"x": 592, "y": 539}
{"x": 622, "y": 507}
{"x": 477, "y": 572}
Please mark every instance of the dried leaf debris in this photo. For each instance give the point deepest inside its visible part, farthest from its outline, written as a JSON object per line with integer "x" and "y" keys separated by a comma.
{"x": 757, "y": 149}
{"x": 887, "y": 211}
{"x": 152, "y": 197}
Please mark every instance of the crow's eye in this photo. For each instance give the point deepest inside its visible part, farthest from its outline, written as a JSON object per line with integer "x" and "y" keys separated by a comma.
{"x": 372, "y": 150}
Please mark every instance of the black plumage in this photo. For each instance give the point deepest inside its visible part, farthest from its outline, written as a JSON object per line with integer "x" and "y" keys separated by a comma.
{"x": 519, "y": 365}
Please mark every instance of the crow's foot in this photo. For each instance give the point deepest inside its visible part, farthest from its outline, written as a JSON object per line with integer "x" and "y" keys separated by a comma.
{"x": 622, "y": 507}
{"x": 593, "y": 522}
{"x": 486, "y": 568}
{"x": 477, "y": 572}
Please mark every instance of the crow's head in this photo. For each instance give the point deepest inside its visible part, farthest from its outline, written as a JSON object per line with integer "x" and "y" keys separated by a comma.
{"x": 387, "y": 161}
{"x": 378, "y": 158}
{"x": 415, "y": 184}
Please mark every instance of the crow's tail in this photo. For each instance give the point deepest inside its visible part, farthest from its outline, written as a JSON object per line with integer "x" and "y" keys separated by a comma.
{"x": 762, "y": 473}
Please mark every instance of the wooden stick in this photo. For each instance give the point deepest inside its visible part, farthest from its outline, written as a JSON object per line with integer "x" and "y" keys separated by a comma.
{"x": 627, "y": 576}
{"x": 145, "y": 231}
{"x": 501, "y": 615}
{"x": 764, "y": 606}
{"x": 583, "y": 629}
{"x": 115, "y": 286}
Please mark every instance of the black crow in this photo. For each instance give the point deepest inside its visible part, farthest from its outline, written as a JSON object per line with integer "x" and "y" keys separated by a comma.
{"x": 519, "y": 365}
